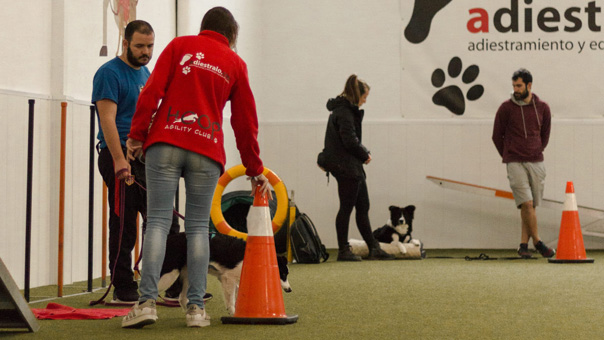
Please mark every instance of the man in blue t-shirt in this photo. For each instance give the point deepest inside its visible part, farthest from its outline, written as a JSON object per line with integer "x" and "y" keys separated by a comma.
{"x": 116, "y": 87}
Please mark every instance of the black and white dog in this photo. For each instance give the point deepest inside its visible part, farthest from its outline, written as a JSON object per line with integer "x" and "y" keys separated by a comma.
{"x": 400, "y": 223}
{"x": 226, "y": 261}
{"x": 395, "y": 236}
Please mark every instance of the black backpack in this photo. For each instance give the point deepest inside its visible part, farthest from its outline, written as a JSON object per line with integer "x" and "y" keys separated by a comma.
{"x": 306, "y": 244}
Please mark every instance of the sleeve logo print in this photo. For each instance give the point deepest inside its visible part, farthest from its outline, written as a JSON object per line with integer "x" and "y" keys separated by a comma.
{"x": 185, "y": 58}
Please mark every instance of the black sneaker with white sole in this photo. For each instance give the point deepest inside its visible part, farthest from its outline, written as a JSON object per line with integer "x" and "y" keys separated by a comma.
{"x": 125, "y": 296}
{"x": 524, "y": 252}
{"x": 544, "y": 250}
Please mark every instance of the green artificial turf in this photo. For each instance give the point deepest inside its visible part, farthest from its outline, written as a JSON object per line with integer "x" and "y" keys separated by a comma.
{"x": 440, "y": 297}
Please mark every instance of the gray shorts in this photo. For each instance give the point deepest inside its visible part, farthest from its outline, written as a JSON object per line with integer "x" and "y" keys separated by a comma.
{"x": 527, "y": 181}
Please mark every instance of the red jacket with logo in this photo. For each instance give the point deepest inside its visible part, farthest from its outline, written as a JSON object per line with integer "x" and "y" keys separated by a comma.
{"x": 194, "y": 77}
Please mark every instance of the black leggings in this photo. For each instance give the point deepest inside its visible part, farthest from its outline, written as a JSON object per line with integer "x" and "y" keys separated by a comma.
{"x": 353, "y": 194}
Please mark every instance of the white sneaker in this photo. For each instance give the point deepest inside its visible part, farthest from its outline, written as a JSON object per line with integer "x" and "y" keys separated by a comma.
{"x": 197, "y": 317}
{"x": 140, "y": 315}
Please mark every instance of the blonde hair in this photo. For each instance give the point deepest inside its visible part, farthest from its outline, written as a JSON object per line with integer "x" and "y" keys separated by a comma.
{"x": 354, "y": 89}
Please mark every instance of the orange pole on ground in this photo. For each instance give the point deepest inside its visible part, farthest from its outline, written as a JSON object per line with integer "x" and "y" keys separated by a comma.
{"x": 104, "y": 238}
{"x": 137, "y": 246}
{"x": 62, "y": 199}
{"x": 292, "y": 218}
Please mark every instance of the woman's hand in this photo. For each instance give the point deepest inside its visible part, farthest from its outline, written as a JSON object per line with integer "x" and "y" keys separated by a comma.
{"x": 264, "y": 185}
{"x": 134, "y": 148}
{"x": 368, "y": 159}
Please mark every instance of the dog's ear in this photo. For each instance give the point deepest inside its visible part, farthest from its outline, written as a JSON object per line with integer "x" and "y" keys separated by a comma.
{"x": 410, "y": 209}
{"x": 392, "y": 208}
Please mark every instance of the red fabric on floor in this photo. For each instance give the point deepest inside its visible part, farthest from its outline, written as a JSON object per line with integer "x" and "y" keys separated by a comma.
{"x": 55, "y": 311}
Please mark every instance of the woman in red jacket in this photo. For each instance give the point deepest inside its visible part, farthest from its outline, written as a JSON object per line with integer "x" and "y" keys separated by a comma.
{"x": 194, "y": 77}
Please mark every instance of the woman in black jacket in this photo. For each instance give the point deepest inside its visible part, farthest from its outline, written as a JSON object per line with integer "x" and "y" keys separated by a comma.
{"x": 343, "y": 156}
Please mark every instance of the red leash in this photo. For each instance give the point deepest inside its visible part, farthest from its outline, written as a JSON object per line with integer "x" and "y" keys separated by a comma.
{"x": 120, "y": 201}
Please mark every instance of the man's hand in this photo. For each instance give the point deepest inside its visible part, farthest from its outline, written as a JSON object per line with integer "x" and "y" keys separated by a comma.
{"x": 122, "y": 164}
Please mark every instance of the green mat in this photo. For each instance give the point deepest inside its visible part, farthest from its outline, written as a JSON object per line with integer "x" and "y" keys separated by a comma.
{"x": 440, "y": 297}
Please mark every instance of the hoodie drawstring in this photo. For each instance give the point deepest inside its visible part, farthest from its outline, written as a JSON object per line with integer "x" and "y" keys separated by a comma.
{"x": 523, "y": 122}
{"x": 536, "y": 114}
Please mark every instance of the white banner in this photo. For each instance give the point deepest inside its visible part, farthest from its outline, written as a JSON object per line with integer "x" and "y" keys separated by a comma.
{"x": 458, "y": 56}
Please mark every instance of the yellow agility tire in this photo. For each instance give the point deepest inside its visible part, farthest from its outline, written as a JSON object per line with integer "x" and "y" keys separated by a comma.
{"x": 239, "y": 170}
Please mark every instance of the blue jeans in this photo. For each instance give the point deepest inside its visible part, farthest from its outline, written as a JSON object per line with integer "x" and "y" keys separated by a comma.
{"x": 165, "y": 164}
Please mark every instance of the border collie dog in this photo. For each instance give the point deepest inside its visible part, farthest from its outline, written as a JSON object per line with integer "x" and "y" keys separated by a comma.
{"x": 226, "y": 261}
{"x": 395, "y": 236}
{"x": 400, "y": 223}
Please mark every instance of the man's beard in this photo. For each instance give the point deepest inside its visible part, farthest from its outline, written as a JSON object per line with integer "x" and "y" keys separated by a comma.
{"x": 135, "y": 62}
{"x": 521, "y": 96}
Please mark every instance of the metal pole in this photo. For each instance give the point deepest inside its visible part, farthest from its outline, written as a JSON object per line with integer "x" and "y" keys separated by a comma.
{"x": 62, "y": 199}
{"x": 104, "y": 239}
{"x": 30, "y": 156}
{"x": 91, "y": 199}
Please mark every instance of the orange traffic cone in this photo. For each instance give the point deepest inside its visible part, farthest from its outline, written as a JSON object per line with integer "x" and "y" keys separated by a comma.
{"x": 260, "y": 300}
{"x": 570, "y": 241}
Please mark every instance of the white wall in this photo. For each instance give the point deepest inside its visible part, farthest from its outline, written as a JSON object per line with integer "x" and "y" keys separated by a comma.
{"x": 50, "y": 54}
{"x": 25, "y": 35}
{"x": 309, "y": 49}
{"x": 405, "y": 152}
{"x": 299, "y": 53}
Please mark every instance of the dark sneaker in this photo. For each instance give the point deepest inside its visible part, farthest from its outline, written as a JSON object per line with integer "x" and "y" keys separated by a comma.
{"x": 346, "y": 255}
{"x": 544, "y": 250}
{"x": 378, "y": 254}
{"x": 140, "y": 315}
{"x": 524, "y": 252}
{"x": 172, "y": 294}
{"x": 125, "y": 296}
{"x": 169, "y": 298}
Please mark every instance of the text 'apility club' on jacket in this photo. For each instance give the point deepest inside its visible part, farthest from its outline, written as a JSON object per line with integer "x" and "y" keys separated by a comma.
{"x": 194, "y": 77}
{"x": 344, "y": 151}
{"x": 521, "y": 130}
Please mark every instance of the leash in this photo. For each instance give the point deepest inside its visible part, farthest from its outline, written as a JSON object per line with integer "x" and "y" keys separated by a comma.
{"x": 483, "y": 257}
{"x": 119, "y": 199}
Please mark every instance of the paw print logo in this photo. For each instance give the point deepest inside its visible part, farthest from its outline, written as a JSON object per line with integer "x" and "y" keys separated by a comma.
{"x": 186, "y": 69}
{"x": 199, "y": 55}
{"x": 421, "y": 19}
{"x": 215, "y": 140}
{"x": 452, "y": 96}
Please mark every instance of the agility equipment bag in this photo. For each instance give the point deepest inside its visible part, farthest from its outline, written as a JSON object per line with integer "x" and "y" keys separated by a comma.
{"x": 305, "y": 241}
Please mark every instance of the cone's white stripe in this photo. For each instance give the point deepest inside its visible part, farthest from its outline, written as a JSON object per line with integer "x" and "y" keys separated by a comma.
{"x": 570, "y": 204}
{"x": 259, "y": 222}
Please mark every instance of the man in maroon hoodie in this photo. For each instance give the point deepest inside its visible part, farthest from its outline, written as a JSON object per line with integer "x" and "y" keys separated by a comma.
{"x": 520, "y": 133}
